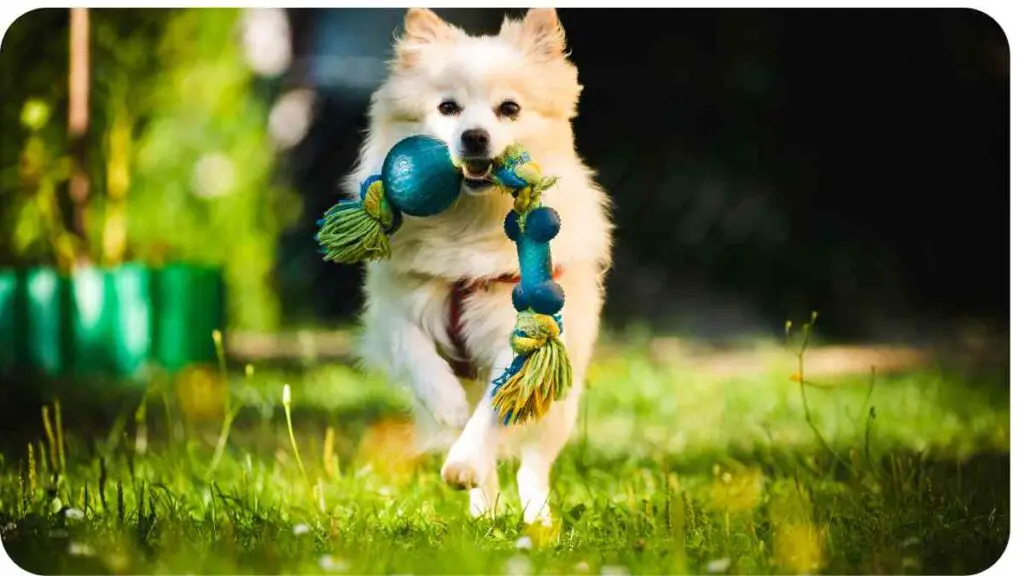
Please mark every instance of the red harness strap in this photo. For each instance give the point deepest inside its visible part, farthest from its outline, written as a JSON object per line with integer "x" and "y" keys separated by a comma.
{"x": 461, "y": 364}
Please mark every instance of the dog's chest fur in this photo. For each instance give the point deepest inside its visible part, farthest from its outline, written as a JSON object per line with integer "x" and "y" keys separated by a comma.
{"x": 422, "y": 277}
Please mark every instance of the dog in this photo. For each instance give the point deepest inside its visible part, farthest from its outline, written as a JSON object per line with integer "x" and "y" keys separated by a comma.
{"x": 438, "y": 312}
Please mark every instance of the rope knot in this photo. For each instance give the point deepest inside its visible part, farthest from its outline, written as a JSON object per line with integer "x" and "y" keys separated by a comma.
{"x": 533, "y": 331}
{"x": 521, "y": 176}
{"x": 377, "y": 205}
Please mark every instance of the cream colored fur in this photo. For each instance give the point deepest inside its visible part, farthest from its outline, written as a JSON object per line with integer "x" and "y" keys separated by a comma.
{"x": 405, "y": 319}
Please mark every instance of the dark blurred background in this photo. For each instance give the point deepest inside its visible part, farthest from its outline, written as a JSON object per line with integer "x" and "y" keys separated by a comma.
{"x": 763, "y": 163}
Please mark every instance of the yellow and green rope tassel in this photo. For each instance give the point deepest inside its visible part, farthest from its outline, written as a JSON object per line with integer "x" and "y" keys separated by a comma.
{"x": 353, "y": 231}
{"x": 540, "y": 373}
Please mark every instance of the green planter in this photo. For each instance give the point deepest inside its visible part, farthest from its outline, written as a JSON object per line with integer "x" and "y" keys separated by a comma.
{"x": 8, "y": 335}
{"x": 108, "y": 322}
{"x": 111, "y": 321}
{"x": 190, "y": 306}
{"x": 31, "y": 332}
{"x": 42, "y": 305}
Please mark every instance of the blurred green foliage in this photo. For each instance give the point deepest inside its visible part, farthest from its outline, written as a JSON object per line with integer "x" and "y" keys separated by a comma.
{"x": 181, "y": 167}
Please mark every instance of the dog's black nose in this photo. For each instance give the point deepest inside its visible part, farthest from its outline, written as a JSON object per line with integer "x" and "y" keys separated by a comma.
{"x": 475, "y": 142}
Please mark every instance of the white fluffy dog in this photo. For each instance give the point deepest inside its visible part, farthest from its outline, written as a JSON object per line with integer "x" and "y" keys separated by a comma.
{"x": 443, "y": 300}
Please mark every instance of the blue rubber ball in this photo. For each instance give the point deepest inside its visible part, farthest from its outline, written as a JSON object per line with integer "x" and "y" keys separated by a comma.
{"x": 543, "y": 224}
{"x": 519, "y": 301}
{"x": 419, "y": 176}
{"x": 546, "y": 298}
{"x": 512, "y": 226}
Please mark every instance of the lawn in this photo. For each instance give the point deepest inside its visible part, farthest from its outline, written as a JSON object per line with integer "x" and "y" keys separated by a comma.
{"x": 675, "y": 468}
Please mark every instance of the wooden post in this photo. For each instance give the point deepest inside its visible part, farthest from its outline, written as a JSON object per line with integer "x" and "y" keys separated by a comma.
{"x": 78, "y": 116}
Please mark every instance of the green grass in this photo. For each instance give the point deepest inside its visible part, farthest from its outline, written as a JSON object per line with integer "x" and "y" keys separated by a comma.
{"x": 672, "y": 470}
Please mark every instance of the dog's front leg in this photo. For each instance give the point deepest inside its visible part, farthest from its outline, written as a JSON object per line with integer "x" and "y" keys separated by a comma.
{"x": 471, "y": 462}
{"x": 398, "y": 345}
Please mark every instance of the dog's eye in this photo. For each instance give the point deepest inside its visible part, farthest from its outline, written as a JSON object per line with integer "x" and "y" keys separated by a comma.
{"x": 449, "y": 108}
{"x": 508, "y": 109}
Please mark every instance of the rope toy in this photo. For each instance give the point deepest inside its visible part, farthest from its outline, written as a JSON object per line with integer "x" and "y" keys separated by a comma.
{"x": 540, "y": 372}
{"x": 419, "y": 178}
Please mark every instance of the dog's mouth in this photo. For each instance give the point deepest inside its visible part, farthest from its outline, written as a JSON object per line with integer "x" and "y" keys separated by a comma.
{"x": 476, "y": 173}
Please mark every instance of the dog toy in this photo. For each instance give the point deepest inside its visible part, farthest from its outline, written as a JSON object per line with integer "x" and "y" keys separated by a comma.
{"x": 540, "y": 372}
{"x": 419, "y": 178}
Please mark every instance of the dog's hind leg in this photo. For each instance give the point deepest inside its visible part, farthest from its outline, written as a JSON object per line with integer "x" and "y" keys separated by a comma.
{"x": 545, "y": 442}
{"x": 538, "y": 455}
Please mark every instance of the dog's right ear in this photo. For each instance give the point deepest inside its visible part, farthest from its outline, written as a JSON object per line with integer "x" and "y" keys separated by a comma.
{"x": 422, "y": 26}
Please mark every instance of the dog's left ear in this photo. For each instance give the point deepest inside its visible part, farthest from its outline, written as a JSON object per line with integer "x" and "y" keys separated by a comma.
{"x": 539, "y": 32}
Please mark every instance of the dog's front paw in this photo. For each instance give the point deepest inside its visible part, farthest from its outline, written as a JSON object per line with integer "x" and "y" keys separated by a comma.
{"x": 467, "y": 464}
{"x": 460, "y": 475}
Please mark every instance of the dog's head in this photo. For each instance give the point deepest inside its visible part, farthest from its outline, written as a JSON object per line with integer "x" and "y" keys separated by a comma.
{"x": 481, "y": 93}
